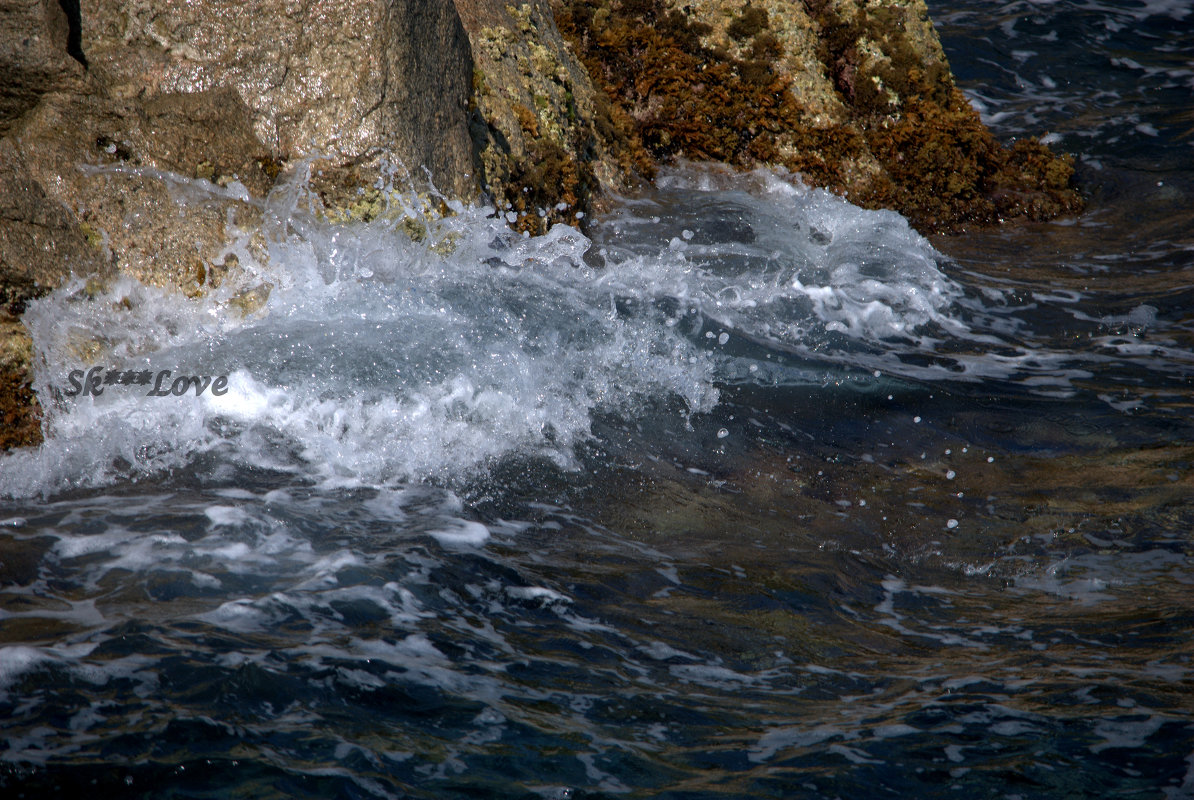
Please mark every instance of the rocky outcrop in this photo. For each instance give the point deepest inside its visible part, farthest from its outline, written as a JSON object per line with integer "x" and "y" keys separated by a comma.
{"x": 35, "y": 55}
{"x": 854, "y": 95}
{"x": 223, "y": 91}
{"x": 542, "y": 105}
{"x": 97, "y": 159}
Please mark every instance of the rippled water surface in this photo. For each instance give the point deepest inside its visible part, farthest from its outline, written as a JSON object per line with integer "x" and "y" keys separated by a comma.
{"x": 743, "y": 493}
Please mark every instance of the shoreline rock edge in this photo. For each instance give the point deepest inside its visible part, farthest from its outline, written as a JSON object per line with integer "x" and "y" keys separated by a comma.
{"x": 543, "y": 106}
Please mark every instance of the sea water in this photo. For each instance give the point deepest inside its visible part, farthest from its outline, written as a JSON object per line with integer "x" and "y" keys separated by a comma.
{"x": 735, "y": 491}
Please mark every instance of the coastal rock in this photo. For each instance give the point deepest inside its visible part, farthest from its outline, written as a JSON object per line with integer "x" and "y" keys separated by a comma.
{"x": 853, "y": 95}
{"x": 104, "y": 102}
{"x": 83, "y": 192}
{"x": 38, "y": 55}
{"x": 347, "y": 79}
{"x": 104, "y": 161}
{"x": 546, "y": 106}
{"x": 35, "y": 55}
{"x": 40, "y": 240}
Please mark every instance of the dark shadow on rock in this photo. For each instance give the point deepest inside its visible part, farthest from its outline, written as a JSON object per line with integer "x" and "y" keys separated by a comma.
{"x": 74, "y": 30}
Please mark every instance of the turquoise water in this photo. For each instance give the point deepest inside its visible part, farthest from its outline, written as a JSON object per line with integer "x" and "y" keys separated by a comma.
{"x": 743, "y": 493}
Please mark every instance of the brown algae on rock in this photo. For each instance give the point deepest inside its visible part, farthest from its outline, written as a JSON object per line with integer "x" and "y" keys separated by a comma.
{"x": 856, "y": 98}
{"x": 547, "y": 141}
{"x": 20, "y": 414}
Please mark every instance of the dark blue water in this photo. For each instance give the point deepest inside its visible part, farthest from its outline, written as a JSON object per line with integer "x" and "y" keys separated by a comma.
{"x": 784, "y": 501}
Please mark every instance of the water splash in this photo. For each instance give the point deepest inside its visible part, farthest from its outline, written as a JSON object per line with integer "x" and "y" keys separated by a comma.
{"x": 421, "y": 345}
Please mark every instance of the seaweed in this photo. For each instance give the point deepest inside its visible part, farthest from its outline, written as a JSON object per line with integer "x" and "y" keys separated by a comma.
{"x": 749, "y": 23}
{"x": 678, "y": 97}
{"x": 547, "y": 186}
{"x": 20, "y": 414}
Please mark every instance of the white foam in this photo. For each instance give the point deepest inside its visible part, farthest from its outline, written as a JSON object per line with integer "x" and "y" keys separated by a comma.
{"x": 714, "y": 676}
{"x": 1174, "y": 9}
{"x": 537, "y": 593}
{"x": 375, "y": 360}
{"x": 15, "y": 660}
{"x": 226, "y": 515}
{"x": 1091, "y": 578}
{"x": 810, "y": 262}
{"x": 1126, "y": 733}
{"x": 463, "y": 533}
{"x": 778, "y": 739}
{"x": 893, "y": 730}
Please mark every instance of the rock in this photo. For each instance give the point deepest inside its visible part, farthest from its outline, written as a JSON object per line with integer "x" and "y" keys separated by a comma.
{"x": 349, "y": 79}
{"x": 104, "y": 161}
{"x": 34, "y": 55}
{"x": 546, "y": 142}
{"x": 40, "y": 241}
{"x": 85, "y": 190}
{"x": 101, "y": 105}
{"x": 854, "y": 95}
{"x": 20, "y": 416}
{"x": 224, "y": 91}
{"x": 37, "y": 236}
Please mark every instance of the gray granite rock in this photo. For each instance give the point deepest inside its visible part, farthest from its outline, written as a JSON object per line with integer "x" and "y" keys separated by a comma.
{"x": 344, "y": 78}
